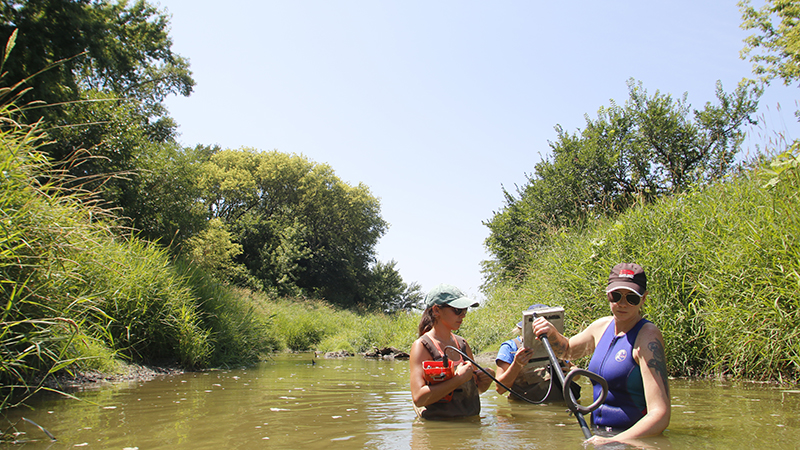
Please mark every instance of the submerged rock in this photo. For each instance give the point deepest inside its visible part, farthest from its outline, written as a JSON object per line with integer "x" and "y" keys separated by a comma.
{"x": 339, "y": 354}
{"x": 387, "y": 353}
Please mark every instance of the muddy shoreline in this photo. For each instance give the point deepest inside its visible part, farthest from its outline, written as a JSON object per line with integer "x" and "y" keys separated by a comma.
{"x": 95, "y": 379}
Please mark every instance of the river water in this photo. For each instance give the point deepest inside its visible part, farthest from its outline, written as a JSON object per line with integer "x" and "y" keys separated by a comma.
{"x": 352, "y": 403}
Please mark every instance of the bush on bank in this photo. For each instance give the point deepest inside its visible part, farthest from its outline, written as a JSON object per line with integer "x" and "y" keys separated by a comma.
{"x": 304, "y": 325}
{"x": 723, "y": 266}
{"x": 80, "y": 293}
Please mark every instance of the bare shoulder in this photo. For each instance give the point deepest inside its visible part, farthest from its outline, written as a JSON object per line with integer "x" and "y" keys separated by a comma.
{"x": 597, "y": 327}
{"x": 418, "y": 350}
{"x": 651, "y": 354}
{"x": 584, "y": 343}
{"x": 649, "y": 333}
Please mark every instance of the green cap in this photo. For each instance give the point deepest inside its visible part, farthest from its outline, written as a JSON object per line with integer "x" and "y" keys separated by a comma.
{"x": 447, "y": 294}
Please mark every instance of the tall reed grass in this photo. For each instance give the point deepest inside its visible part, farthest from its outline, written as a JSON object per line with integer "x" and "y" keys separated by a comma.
{"x": 34, "y": 336}
{"x": 723, "y": 266}
{"x": 79, "y": 292}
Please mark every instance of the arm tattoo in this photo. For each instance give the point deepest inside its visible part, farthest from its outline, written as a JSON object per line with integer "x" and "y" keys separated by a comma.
{"x": 659, "y": 362}
{"x": 558, "y": 347}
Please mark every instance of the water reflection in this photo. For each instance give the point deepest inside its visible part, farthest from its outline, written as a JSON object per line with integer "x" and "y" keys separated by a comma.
{"x": 356, "y": 403}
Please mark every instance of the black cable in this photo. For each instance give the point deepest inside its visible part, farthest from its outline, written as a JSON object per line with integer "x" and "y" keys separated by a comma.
{"x": 533, "y": 402}
{"x": 555, "y": 372}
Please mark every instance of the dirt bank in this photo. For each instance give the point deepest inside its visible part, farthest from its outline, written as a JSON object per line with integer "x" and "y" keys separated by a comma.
{"x": 93, "y": 378}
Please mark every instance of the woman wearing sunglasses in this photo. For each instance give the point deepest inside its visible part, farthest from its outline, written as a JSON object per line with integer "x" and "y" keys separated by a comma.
{"x": 628, "y": 351}
{"x": 456, "y": 393}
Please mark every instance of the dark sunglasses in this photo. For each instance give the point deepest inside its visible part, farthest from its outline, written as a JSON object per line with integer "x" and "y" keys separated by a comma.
{"x": 630, "y": 297}
{"x": 458, "y": 311}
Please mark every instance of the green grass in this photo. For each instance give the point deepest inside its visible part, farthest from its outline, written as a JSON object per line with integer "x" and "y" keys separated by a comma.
{"x": 723, "y": 267}
{"x": 315, "y": 325}
{"x": 78, "y": 292}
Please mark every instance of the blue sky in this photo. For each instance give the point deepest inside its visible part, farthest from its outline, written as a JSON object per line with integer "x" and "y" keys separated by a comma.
{"x": 438, "y": 105}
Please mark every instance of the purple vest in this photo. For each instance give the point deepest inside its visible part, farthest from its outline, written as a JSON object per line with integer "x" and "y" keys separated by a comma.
{"x": 613, "y": 360}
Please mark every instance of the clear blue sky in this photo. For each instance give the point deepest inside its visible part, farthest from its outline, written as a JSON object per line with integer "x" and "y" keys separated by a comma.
{"x": 436, "y": 105}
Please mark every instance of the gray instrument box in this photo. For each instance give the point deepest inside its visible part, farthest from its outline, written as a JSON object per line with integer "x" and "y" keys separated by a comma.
{"x": 554, "y": 315}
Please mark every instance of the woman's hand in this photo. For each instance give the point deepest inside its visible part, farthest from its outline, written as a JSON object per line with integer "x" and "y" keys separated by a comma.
{"x": 522, "y": 356}
{"x": 463, "y": 371}
{"x": 598, "y": 440}
{"x": 542, "y": 326}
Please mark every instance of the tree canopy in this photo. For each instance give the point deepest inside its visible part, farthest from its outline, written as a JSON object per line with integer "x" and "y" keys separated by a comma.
{"x": 301, "y": 228}
{"x": 99, "y": 72}
{"x": 652, "y": 146}
{"x": 774, "y": 48}
{"x": 93, "y": 45}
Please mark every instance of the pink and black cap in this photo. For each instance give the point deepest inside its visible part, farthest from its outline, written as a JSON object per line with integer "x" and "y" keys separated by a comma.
{"x": 629, "y": 276}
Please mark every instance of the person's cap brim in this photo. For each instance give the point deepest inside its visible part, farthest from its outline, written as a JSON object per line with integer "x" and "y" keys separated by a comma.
{"x": 463, "y": 302}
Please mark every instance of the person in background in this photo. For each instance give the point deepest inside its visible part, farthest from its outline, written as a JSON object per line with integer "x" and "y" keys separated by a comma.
{"x": 532, "y": 381}
{"x": 445, "y": 309}
{"x": 628, "y": 351}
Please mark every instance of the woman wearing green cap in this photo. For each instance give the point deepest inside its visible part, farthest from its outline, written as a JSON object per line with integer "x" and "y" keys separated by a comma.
{"x": 457, "y": 395}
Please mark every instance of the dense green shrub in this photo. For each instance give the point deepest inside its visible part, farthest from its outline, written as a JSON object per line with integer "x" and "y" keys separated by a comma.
{"x": 315, "y": 325}
{"x": 79, "y": 292}
{"x": 242, "y": 331}
{"x": 723, "y": 267}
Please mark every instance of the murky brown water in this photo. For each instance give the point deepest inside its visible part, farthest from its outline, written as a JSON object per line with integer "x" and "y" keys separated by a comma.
{"x": 356, "y": 403}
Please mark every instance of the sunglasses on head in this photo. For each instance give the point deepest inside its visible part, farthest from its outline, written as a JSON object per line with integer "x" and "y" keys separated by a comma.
{"x": 458, "y": 311}
{"x": 630, "y": 297}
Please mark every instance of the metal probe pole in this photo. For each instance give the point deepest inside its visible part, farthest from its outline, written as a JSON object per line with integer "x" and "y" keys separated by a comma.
{"x": 587, "y": 433}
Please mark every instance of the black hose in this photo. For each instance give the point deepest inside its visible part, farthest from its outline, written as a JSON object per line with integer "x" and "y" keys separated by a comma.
{"x": 553, "y": 369}
{"x": 555, "y": 372}
{"x": 498, "y": 382}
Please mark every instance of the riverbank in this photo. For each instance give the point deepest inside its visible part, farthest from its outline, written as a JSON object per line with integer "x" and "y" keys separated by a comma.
{"x": 83, "y": 379}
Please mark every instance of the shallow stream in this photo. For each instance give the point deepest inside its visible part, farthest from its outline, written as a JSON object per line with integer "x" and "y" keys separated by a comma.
{"x": 352, "y": 403}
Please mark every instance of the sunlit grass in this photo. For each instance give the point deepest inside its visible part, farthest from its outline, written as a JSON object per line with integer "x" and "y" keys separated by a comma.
{"x": 78, "y": 292}
{"x": 723, "y": 267}
{"x": 304, "y": 325}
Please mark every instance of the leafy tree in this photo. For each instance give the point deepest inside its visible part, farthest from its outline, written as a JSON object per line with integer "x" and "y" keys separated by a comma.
{"x": 651, "y": 147}
{"x": 94, "y": 45}
{"x": 214, "y": 250}
{"x": 163, "y": 199}
{"x": 386, "y": 288}
{"x": 775, "y": 52}
{"x": 103, "y": 70}
{"x": 775, "y": 48}
{"x": 300, "y": 227}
